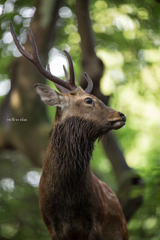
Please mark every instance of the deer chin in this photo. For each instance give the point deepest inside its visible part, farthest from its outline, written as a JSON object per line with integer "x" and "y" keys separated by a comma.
{"x": 116, "y": 124}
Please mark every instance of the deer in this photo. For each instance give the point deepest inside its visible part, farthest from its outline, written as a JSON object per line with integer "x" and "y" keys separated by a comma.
{"x": 74, "y": 203}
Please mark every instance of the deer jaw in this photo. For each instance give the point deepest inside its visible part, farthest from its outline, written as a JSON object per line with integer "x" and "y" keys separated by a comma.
{"x": 80, "y": 104}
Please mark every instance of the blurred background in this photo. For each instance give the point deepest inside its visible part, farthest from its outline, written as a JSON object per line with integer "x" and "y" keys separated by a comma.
{"x": 118, "y": 44}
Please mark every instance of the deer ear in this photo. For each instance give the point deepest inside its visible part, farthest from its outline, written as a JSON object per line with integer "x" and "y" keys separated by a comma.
{"x": 48, "y": 95}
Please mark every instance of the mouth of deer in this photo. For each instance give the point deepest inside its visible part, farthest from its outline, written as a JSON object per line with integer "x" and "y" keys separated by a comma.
{"x": 117, "y": 124}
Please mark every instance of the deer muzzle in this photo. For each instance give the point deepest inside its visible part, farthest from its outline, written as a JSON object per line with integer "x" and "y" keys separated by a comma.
{"x": 117, "y": 121}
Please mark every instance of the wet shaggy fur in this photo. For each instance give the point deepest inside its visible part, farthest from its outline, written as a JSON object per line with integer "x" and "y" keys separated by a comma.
{"x": 72, "y": 146}
{"x": 74, "y": 139}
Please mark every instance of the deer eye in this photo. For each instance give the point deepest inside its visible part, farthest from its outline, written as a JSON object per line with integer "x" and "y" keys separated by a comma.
{"x": 88, "y": 100}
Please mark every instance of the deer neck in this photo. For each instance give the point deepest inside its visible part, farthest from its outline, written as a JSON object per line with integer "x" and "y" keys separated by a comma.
{"x": 71, "y": 148}
{"x": 69, "y": 153}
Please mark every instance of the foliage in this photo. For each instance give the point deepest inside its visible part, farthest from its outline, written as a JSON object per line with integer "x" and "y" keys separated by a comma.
{"x": 19, "y": 212}
{"x": 127, "y": 40}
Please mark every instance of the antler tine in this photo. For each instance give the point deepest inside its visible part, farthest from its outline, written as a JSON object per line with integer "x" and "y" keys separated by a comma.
{"x": 20, "y": 48}
{"x": 66, "y": 74}
{"x": 48, "y": 68}
{"x": 60, "y": 88}
{"x": 71, "y": 70}
{"x": 90, "y": 83}
{"x": 34, "y": 55}
{"x": 34, "y": 58}
{"x": 72, "y": 76}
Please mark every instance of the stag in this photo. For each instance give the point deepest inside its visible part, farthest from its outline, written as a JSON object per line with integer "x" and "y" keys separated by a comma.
{"x": 74, "y": 203}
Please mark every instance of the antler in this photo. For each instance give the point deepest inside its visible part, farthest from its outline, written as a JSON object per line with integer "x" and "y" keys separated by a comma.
{"x": 34, "y": 58}
{"x": 90, "y": 83}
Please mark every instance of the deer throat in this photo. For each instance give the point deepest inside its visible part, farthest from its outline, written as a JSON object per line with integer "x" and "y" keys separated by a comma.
{"x": 71, "y": 152}
{"x": 71, "y": 147}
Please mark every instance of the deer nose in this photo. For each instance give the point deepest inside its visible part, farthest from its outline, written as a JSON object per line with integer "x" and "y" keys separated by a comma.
{"x": 122, "y": 116}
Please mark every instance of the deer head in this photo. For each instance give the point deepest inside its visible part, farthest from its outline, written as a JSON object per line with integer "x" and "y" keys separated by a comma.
{"x": 72, "y": 101}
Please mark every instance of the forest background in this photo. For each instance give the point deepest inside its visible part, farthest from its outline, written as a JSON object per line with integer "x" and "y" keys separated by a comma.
{"x": 118, "y": 44}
